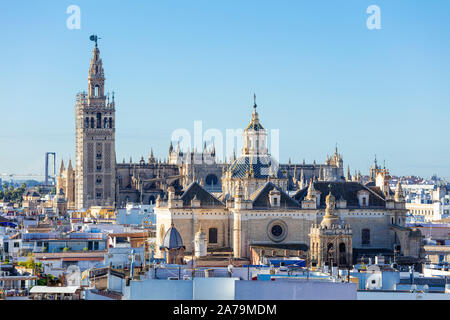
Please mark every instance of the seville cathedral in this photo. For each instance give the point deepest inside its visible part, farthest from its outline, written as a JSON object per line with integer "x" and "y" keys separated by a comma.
{"x": 247, "y": 201}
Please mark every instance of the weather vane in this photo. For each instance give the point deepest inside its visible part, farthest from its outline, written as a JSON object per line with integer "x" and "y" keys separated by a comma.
{"x": 94, "y": 38}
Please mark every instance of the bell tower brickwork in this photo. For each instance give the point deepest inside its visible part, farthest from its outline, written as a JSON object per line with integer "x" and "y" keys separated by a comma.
{"x": 95, "y": 141}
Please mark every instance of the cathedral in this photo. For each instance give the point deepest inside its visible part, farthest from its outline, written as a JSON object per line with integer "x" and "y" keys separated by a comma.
{"x": 247, "y": 201}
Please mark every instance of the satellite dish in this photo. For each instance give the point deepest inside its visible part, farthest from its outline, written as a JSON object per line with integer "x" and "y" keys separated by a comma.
{"x": 373, "y": 282}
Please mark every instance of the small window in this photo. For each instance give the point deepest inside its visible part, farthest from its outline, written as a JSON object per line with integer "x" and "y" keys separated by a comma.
{"x": 212, "y": 235}
{"x": 365, "y": 237}
{"x": 275, "y": 201}
{"x": 16, "y": 244}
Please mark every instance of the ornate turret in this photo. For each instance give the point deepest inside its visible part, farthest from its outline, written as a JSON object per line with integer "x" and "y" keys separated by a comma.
{"x": 311, "y": 191}
{"x": 331, "y": 241}
{"x": 330, "y": 218}
{"x": 399, "y": 196}
{"x": 239, "y": 193}
{"x": 255, "y": 135}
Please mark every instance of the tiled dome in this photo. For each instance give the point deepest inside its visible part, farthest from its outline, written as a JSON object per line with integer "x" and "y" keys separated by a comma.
{"x": 260, "y": 166}
{"x": 172, "y": 239}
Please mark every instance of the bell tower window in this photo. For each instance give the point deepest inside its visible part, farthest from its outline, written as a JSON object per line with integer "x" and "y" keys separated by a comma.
{"x": 99, "y": 120}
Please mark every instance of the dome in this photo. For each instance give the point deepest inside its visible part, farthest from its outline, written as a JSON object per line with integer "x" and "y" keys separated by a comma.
{"x": 172, "y": 239}
{"x": 259, "y": 166}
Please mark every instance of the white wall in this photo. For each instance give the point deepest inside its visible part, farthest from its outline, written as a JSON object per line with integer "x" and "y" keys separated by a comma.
{"x": 159, "y": 290}
{"x": 294, "y": 290}
{"x": 234, "y": 289}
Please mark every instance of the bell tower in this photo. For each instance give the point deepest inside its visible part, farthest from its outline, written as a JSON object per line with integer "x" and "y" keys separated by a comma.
{"x": 95, "y": 170}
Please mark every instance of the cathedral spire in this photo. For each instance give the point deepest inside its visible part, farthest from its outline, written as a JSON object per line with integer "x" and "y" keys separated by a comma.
{"x": 61, "y": 168}
{"x": 320, "y": 173}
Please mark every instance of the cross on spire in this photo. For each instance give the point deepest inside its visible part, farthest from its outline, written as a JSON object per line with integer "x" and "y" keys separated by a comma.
{"x": 254, "y": 101}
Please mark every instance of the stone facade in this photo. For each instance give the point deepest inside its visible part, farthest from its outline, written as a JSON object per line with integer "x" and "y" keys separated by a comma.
{"x": 238, "y": 204}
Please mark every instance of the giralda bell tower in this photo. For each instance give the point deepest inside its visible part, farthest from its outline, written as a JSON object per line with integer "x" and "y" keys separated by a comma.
{"x": 95, "y": 171}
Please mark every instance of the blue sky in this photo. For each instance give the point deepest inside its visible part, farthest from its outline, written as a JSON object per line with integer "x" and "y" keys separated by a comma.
{"x": 320, "y": 76}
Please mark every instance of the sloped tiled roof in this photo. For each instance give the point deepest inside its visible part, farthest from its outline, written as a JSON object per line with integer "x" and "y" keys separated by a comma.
{"x": 260, "y": 198}
{"x": 206, "y": 198}
{"x": 346, "y": 190}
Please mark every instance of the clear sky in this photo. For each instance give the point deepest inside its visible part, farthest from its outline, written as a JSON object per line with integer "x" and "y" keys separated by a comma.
{"x": 320, "y": 76}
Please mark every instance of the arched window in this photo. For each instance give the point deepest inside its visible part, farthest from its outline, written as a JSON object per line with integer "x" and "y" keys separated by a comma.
{"x": 105, "y": 123}
{"x": 86, "y": 122}
{"x": 92, "y": 123}
{"x": 212, "y": 235}
{"x": 97, "y": 90}
{"x": 151, "y": 200}
{"x": 110, "y": 122}
{"x": 211, "y": 180}
{"x": 365, "y": 237}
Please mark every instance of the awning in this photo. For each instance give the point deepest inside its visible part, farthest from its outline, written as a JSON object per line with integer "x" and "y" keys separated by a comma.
{"x": 46, "y": 289}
